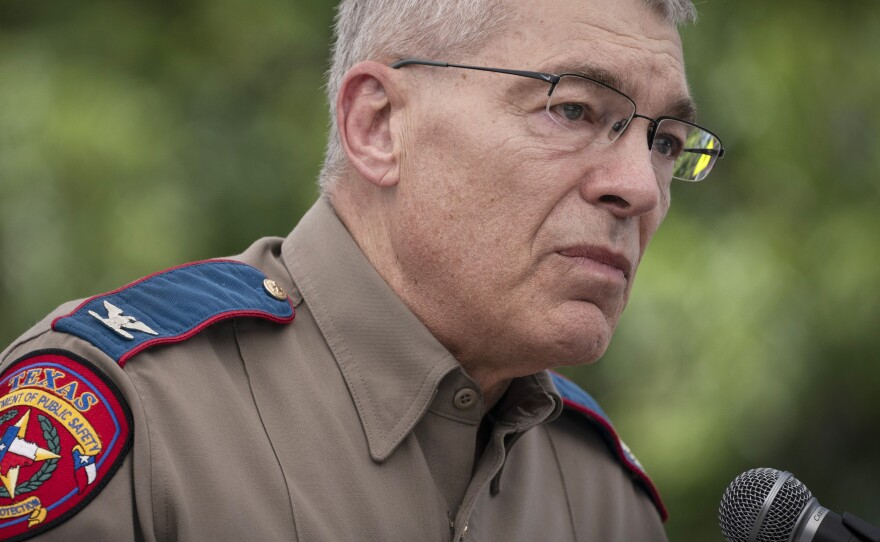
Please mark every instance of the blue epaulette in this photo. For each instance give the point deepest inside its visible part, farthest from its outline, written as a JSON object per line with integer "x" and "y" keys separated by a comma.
{"x": 174, "y": 305}
{"x": 576, "y": 399}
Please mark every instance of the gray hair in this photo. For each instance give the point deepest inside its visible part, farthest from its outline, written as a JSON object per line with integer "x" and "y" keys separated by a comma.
{"x": 391, "y": 29}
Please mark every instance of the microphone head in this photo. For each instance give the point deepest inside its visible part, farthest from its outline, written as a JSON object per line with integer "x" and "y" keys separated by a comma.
{"x": 745, "y": 503}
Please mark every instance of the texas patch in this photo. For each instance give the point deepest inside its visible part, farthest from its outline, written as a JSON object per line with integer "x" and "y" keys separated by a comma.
{"x": 64, "y": 431}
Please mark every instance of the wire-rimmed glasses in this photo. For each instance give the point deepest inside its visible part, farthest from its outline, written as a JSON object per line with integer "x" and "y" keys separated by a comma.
{"x": 585, "y": 111}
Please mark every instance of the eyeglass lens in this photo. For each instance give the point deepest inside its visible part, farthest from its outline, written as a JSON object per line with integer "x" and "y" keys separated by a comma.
{"x": 586, "y": 112}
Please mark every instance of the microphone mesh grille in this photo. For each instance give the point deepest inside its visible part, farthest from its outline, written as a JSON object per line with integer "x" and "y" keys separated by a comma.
{"x": 744, "y": 498}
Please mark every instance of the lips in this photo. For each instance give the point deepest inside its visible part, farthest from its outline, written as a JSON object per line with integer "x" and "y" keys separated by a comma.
{"x": 601, "y": 255}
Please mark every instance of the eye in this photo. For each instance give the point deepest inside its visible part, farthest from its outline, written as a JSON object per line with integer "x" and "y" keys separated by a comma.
{"x": 576, "y": 114}
{"x": 667, "y": 146}
{"x": 571, "y": 111}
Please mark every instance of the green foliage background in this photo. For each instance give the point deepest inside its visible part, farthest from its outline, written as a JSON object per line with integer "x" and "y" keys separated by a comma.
{"x": 136, "y": 136}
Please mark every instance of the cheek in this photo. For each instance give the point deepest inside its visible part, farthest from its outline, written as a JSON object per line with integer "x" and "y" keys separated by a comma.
{"x": 483, "y": 183}
{"x": 474, "y": 200}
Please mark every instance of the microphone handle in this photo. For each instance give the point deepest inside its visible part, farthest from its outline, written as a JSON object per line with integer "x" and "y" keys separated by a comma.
{"x": 865, "y": 531}
{"x": 819, "y": 524}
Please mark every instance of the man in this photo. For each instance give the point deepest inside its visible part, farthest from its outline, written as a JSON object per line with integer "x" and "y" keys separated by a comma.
{"x": 381, "y": 373}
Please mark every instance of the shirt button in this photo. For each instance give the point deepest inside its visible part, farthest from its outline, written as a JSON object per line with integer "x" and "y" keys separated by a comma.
{"x": 465, "y": 398}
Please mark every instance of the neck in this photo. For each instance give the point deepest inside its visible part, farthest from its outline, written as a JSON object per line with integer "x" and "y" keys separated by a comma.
{"x": 363, "y": 211}
{"x": 492, "y": 395}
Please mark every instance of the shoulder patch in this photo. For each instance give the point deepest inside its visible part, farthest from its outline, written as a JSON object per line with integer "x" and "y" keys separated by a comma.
{"x": 576, "y": 399}
{"x": 64, "y": 431}
{"x": 173, "y": 305}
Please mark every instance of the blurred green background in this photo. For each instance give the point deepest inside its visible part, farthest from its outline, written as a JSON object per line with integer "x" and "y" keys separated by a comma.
{"x": 135, "y": 136}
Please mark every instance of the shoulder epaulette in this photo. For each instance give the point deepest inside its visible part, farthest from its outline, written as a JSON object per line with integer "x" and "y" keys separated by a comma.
{"x": 576, "y": 399}
{"x": 173, "y": 305}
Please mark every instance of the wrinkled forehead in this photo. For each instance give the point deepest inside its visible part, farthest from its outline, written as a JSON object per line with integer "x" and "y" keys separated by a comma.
{"x": 631, "y": 45}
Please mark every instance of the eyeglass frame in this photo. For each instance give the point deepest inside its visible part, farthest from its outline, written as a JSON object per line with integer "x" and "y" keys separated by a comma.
{"x": 553, "y": 80}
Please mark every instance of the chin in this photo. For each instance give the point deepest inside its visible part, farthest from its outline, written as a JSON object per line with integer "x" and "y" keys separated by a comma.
{"x": 586, "y": 351}
{"x": 583, "y": 340}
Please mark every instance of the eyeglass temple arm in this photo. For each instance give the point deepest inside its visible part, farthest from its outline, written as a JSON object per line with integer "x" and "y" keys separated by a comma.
{"x": 548, "y": 77}
{"x": 711, "y": 152}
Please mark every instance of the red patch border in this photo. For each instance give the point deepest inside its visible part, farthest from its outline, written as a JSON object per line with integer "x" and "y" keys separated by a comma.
{"x": 124, "y": 444}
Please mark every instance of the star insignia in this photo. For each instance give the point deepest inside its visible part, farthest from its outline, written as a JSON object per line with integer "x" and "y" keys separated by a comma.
{"x": 17, "y": 452}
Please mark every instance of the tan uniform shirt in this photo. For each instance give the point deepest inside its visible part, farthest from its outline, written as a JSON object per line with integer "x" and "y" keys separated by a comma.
{"x": 352, "y": 423}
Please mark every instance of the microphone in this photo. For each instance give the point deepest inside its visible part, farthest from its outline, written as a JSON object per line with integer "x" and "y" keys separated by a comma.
{"x": 768, "y": 505}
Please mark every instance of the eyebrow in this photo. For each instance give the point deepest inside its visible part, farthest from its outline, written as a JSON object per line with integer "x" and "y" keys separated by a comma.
{"x": 684, "y": 108}
{"x": 592, "y": 71}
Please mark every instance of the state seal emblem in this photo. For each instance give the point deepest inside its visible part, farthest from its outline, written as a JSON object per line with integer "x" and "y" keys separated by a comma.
{"x": 64, "y": 431}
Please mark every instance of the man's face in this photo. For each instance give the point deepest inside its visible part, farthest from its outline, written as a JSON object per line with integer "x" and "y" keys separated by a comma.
{"x": 516, "y": 254}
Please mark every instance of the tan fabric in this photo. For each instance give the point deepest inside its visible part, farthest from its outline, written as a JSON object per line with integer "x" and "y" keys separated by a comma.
{"x": 341, "y": 426}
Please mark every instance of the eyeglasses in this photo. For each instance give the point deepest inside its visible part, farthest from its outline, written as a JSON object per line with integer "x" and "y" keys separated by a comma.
{"x": 584, "y": 111}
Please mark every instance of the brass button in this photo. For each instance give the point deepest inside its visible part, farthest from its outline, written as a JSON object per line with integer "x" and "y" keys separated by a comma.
{"x": 274, "y": 290}
{"x": 465, "y": 398}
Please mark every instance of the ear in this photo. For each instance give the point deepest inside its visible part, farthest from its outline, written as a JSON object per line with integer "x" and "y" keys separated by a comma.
{"x": 363, "y": 114}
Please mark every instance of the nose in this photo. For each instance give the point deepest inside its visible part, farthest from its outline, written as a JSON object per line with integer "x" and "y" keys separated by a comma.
{"x": 622, "y": 179}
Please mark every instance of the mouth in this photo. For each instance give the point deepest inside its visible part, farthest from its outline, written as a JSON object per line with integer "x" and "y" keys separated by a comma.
{"x": 601, "y": 260}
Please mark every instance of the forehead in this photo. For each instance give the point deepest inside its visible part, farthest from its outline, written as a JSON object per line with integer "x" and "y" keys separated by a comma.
{"x": 628, "y": 43}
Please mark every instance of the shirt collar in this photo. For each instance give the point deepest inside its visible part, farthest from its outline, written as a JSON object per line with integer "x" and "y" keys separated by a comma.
{"x": 391, "y": 363}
